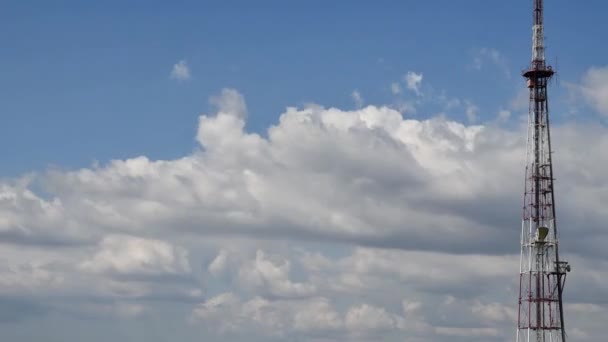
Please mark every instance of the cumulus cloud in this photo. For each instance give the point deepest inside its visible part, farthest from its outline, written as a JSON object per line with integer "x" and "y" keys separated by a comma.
{"x": 419, "y": 178}
{"x": 319, "y": 317}
{"x": 382, "y": 271}
{"x": 180, "y": 71}
{"x": 270, "y": 275}
{"x": 230, "y": 102}
{"x": 413, "y": 81}
{"x": 29, "y": 276}
{"x": 335, "y": 224}
{"x": 229, "y": 313}
{"x": 123, "y": 254}
{"x": 219, "y": 265}
{"x": 366, "y": 317}
{"x": 26, "y": 217}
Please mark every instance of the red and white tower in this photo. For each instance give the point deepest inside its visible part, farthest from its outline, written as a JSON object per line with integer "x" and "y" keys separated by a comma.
{"x": 542, "y": 273}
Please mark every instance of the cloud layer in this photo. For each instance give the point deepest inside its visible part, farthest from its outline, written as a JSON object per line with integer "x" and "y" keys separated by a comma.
{"x": 357, "y": 225}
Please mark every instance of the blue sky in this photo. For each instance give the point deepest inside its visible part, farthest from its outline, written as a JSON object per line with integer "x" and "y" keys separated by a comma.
{"x": 76, "y": 73}
{"x": 289, "y": 170}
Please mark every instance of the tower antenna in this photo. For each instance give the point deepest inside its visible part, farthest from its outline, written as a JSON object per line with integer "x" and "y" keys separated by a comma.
{"x": 542, "y": 275}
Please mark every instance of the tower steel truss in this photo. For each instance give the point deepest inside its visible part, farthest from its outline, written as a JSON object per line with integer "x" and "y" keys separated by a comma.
{"x": 542, "y": 273}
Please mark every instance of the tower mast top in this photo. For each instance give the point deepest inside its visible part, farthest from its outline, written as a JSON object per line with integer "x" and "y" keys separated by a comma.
{"x": 538, "y": 67}
{"x": 538, "y": 39}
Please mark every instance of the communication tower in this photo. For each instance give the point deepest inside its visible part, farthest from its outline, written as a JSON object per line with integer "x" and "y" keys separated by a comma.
{"x": 542, "y": 272}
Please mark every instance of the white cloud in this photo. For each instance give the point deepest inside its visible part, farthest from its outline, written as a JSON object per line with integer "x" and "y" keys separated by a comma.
{"x": 430, "y": 206}
{"x": 366, "y": 317}
{"x": 180, "y": 71}
{"x": 230, "y": 102}
{"x": 25, "y": 215}
{"x": 357, "y": 98}
{"x": 123, "y": 254}
{"x": 268, "y": 274}
{"x": 28, "y": 276}
{"x": 228, "y": 313}
{"x": 219, "y": 266}
{"x": 413, "y": 81}
{"x": 368, "y": 269}
{"x": 245, "y": 183}
{"x": 594, "y": 88}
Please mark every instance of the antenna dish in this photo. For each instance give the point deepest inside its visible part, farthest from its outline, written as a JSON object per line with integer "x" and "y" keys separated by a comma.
{"x": 541, "y": 233}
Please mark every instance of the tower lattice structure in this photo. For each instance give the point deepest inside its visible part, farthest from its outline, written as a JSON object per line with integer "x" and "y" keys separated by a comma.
{"x": 542, "y": 273}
